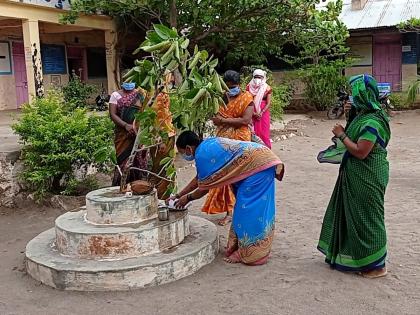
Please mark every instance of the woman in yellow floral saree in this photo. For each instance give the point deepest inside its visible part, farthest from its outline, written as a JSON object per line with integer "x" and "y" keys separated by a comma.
{"x": 164, "y": 117}
{"x": 232, "y": 122}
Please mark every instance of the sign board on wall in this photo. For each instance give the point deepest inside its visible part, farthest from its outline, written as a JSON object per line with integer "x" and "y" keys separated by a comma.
{"x": 53, "y": 59}
{"x": 406, "y": 48}
{"x": 5, "y": 60}
{"x": 58, "y": 4}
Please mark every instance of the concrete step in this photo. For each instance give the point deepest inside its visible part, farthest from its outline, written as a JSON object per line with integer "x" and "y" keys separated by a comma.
{"x": 109, "y": 206}
{"x": 44, "y": 263}
{"x": 76, "y": 237}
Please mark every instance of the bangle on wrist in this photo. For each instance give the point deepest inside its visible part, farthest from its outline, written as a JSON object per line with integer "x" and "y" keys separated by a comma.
{"x": 189, "y": 197}
{"x": 342, "y": 136}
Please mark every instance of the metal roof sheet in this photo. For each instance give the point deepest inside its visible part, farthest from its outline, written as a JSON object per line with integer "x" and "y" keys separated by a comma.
{"x": 378, "y": 13}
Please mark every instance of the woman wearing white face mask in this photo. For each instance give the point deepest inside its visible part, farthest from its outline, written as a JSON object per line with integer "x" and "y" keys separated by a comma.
{"x": 262, "y": 92}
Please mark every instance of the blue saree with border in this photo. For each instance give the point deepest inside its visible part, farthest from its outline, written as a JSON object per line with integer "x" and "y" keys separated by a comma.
{"x": 251, "y": 169}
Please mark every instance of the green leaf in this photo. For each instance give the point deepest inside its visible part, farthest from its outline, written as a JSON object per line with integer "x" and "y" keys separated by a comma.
{"x": 192, "y": 93}
{"x": 196, "y": 77}
{"x": 185, "y": 43}
{"x": 165, "y": 160}
{"x": 163, "y": 31}
{"x": 101, "y": 155}
{"x": 204, "y": 55}
{"x": 153, "y": 38}
{"x": 172, "y": 153}
{"x": 184, "y": 121}
{"x": 213, "y": 64}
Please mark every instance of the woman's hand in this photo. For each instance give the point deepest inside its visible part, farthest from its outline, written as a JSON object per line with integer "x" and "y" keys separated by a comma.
{"x": 130, "y": 129}
{"x": 257, "y": 116}
{"x": 174, "y": 197}
{"x": 182, "y": 202}
{"x": 347, "y": 106}
{"x": 338, "y": 130}
{"x": 217, "y": 120}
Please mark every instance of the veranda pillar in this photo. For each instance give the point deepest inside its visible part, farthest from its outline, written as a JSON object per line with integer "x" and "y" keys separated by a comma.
{"x": 112, "y": 67}
{"x": 33, "y": 58}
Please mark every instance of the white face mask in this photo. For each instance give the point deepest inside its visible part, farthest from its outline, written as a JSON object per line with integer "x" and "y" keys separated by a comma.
{"x": 257, "y": 81}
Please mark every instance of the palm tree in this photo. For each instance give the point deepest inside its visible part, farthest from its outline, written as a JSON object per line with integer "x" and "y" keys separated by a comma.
{"x": 412, "y": 91}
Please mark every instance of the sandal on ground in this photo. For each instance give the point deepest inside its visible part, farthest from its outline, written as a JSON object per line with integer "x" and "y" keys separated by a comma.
{"x": 374, "y": 274}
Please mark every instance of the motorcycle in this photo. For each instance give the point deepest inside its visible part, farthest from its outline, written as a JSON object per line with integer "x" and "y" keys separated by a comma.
{"x": 336, "y": 111}
{"x": 102, "y": 100}
{"x": 386, "y": 102}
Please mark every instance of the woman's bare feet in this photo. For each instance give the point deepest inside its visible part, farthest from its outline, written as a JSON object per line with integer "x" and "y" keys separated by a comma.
{"x": 235, "y": 258}
{"x": 226, "y": 220}
{"x": 373, "y": 274}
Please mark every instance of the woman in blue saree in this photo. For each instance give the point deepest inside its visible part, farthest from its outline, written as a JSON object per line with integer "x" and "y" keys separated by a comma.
{"x": 251, "y": 169}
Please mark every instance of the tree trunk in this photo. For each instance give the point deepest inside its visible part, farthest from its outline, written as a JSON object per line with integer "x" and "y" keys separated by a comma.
{"x": 173, "y": 14}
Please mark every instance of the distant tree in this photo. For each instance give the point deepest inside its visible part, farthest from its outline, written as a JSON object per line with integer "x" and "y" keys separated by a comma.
{"x": 239, "y": 30}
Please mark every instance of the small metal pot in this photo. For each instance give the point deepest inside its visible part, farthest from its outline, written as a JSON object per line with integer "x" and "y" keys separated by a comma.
{"x": 163, "y": 214}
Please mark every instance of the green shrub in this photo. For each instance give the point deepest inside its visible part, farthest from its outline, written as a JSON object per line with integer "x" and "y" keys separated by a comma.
{"x": 282, "y": 93}
{"x": 322, "y": 82}
{"x": 412, "y": 93}
{"x": 399, "y": 100}
{"x": 75, "y": 187}
{"x": 76, "y": 93}
{"x": 56, "y": 141}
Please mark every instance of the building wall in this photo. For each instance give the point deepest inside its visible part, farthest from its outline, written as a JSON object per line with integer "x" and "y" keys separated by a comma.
{"x": 7, "y": 92}
{"x": 409, "y": 74}
{"x": 35, "y": 23}
{"x": 410, "y": 58}
{"x": 359, "y": 70}
{"x": 361, "y": 47}
{"x": 84, "y": 39}
{"x": 74, "y": 39}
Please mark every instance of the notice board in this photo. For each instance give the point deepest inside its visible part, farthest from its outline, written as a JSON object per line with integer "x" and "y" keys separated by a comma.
{"x": 53, "y": 59}
{"x": 5, "y": 60}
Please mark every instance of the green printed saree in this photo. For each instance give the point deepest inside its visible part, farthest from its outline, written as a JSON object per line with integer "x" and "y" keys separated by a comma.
{"x": 353, "y": 235}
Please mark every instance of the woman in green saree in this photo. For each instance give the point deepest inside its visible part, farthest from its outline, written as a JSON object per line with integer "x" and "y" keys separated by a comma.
{"x": 353, "y": 235}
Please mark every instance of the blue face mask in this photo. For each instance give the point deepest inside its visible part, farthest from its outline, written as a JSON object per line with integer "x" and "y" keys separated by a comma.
{"x": 188, "y": 158}
{"x": 128, "y": 86}
{"x": 234, "y": 91}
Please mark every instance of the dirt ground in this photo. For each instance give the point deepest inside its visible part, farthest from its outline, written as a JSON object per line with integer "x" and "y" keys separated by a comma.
{"x": 295, "y": 281}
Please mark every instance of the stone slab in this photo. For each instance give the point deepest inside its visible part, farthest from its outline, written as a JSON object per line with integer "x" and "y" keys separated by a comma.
{"x": 45, "y": 264}
{"x": 107, "y": 206}
{"x": 77, "y": 238}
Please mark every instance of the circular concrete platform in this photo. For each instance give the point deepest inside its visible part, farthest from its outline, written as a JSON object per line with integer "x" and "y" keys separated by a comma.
{"x": 46, "y": 264}
{"x": 77, "y": 238}
{"x": 109, "y": 206}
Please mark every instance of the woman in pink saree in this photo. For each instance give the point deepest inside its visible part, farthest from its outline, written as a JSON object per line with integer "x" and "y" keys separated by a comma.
{"x": 262, "y": 92}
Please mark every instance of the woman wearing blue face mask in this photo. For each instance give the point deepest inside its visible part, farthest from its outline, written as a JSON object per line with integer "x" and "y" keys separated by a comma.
{"x": 123, "y": 105}
{"x": 250, "y": 168}
{"x": 232, "y": 121}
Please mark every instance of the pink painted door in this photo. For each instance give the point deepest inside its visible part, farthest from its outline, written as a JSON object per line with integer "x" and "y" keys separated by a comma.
{"x": 387, "y": 64}
{"x": 21, "y": 80}
{"x": 77, "y": 61}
